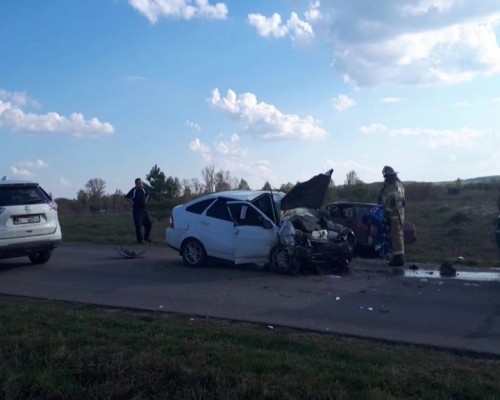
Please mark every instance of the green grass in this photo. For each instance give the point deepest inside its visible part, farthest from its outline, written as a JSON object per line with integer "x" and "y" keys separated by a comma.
{"x": 51, "y": 350}
{"x": 108, "y": 228}
{"x": 454, "y": 226}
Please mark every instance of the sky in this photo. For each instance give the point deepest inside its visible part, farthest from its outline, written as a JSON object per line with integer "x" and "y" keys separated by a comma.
{"x": 270, "y": 90}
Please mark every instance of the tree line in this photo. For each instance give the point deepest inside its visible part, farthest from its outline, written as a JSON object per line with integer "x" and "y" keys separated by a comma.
{"x": 167, "y": 191}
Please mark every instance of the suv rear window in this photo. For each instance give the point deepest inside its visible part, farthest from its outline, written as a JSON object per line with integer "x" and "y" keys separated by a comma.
{"x": 17, "y": 195}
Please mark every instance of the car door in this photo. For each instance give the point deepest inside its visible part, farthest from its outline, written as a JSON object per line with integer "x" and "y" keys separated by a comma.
{"x": 216, "y": 230}
{"x": 254, "y": 233}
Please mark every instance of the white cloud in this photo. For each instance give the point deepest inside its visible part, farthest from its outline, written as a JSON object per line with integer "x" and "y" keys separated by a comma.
{"x": 390, "y": 100}
{"x": 179, "y": 9}
{"x": 26, "y": 169}
{"x": 373, "y": 129}
{"x": 265, "y": 120}
{"x": 21, "y": 172}
{"x": 193, "y": 125}
{"x": 297, "y": 28}
{"x": 343, "y": 102}
{"x": 13, "y": 116}
{"x": 197, "y": 147}
{"x": 412, "y": 42}
{"x": 20, "y": 99}
{"x": 465, "y": 138}
{"x": 33, "y": 164}
{"x": 266, "y": 27}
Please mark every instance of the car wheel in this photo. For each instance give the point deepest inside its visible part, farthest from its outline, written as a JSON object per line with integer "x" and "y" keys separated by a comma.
{"x": 40, "y": 257}
{"x": 193, "y": 253}
{"x": 282, "y": 260}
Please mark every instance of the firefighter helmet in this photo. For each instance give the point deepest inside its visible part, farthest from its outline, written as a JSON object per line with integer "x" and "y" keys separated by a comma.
{"x": 388, "y": 171}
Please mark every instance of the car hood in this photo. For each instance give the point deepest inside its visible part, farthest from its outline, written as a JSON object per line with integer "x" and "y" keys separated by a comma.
{"x": 309, "y": 194}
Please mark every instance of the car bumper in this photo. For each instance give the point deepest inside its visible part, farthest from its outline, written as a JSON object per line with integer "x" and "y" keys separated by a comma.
{"x": 174, "y": 238}
{"x": 26, "y": 249}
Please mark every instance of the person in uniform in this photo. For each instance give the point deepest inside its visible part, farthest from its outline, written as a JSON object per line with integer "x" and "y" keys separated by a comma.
{"x": 392, "y": 199}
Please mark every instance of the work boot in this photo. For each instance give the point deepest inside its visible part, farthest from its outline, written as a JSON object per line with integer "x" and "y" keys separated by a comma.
{"x": 398, "y": 260}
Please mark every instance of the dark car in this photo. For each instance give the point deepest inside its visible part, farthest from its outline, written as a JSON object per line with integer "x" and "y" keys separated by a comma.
{"x": 359, "y": 216}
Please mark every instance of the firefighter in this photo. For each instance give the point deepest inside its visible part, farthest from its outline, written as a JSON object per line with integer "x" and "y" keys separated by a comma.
{"x": 392, "y": 198}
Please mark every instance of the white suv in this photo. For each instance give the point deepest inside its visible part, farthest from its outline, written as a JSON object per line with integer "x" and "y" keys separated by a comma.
{"x": 29, "y": 225}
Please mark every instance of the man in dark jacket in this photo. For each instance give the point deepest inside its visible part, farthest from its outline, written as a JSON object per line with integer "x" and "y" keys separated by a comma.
{"x": 139, "y": 197}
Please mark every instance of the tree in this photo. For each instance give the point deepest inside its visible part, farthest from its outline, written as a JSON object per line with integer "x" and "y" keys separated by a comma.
{"x": 267, "y": 186}
{"x": 157, "y": 184}
{"x": 224, "y": 181}
{"x": 352, "y": 178}
{"x": 82, "y": 197}
{"x": 243, "y": 185}
{"x": 286, "y": 187}
{"x": 208, "y": 174}
{"x": 95, "y": 189}
{"x": 173, "y": 187}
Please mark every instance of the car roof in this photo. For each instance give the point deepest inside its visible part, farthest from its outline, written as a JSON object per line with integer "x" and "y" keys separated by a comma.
{"x": 242, "y": 195}
{"x": 6, "y": 181}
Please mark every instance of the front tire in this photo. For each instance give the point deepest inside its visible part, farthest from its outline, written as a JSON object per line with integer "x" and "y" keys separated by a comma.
{"x": 193, "y": 253}
{"x": 282, "y": 260}
{"x": 40, "y": 257}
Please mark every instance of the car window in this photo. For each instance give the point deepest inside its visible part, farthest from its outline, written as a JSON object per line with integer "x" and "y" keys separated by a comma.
{"x": 21, "y": 195}
{"x": 349, "y": 212}
{"x": 219, "y": 210}
{"x": 199, "y": 206}
{"x": 265, "y": 204}
{"x": 244, "y": 214}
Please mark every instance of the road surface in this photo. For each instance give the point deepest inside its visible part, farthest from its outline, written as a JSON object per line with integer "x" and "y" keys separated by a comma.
{"x": 370, "y": 301}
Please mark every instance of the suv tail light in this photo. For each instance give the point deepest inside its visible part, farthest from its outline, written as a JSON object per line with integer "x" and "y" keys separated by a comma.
{"x": 53, "y": 205}
{"x": 171, "y": 222}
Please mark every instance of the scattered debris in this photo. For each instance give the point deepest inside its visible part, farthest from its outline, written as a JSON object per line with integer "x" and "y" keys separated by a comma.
{"x": 414, "y": 267}
{"x": 460, "y": 260}
{"x": 270, "y": 327}
{"x": 128, "y": 253}
{"x": 447, "y": 269}
{"x": 337, "y": 298}
{"x": 383, "y": 309}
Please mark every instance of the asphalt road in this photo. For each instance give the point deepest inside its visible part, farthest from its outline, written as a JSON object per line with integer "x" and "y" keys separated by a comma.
{"x": 370, "y": 301}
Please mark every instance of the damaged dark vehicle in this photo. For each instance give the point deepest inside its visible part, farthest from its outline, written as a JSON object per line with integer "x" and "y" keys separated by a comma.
{"x": 307, "y": 240}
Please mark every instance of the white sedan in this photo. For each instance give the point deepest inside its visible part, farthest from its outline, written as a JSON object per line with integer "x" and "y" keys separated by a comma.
{"x": 239, "y": 226}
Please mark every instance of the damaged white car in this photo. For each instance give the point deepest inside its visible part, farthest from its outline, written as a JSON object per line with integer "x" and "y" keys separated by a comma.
{"x": 261, "y": 227}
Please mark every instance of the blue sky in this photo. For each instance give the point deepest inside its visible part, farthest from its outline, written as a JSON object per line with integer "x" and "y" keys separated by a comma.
{"x": 269, "y": 90}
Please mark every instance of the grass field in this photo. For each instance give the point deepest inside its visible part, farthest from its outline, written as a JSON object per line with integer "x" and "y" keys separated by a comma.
{"x": 51, "y": 350}
{"x": 54, "y": 350}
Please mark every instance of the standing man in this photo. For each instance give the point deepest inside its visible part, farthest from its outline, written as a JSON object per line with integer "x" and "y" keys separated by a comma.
{"x": 139, "y": 197}
{"x": 392, "y": 198}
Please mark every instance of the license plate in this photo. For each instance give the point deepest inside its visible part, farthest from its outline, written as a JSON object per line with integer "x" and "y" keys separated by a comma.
{"x": 26, "y": 219}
